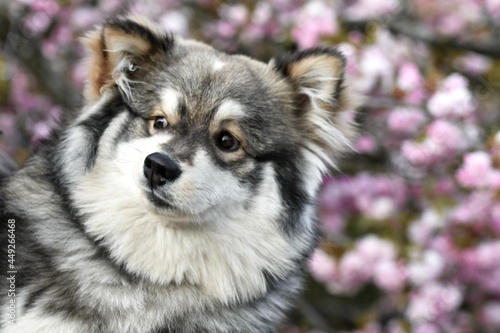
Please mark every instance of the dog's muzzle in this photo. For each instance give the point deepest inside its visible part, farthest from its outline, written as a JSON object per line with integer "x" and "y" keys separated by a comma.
{"x": 160, "y": 169}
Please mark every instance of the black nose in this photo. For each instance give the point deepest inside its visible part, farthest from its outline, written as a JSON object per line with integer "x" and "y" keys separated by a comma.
{"x": 159, "y": 168}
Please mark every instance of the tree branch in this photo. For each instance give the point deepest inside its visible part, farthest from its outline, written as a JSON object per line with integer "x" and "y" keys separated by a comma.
{"x": 402, "y": 24}
{"x": 418, "y": 31}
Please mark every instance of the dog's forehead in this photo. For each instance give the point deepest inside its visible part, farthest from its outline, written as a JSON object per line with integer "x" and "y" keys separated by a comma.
{"x": 201, "y": 79}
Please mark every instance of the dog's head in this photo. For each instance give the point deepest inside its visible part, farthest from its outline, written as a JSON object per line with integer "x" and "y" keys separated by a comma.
{"x": 176, "y": 134}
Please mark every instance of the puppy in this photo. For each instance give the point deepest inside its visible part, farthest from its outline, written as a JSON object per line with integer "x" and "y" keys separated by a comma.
{"x": 181, "y": 197}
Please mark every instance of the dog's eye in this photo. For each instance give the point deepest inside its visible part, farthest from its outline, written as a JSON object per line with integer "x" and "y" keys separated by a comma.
{"x": 160, "y": 123}
{"x": 227, "y": 142}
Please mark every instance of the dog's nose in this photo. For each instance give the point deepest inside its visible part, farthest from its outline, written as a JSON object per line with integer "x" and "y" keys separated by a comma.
{"x": 159, "y": 168}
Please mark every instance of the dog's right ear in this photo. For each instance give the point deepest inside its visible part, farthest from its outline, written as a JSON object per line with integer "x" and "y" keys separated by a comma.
{"x": 118, "y": 48}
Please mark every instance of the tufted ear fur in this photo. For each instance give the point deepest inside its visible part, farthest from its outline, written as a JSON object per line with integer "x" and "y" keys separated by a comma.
{"x": 321, "y": 100}
{"x": 118, "y": 48}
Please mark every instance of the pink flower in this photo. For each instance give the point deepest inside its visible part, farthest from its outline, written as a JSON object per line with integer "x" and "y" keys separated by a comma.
{"x": 36, "y": 23}
{"x": 236, "y": 14}
{"x": 41, "y": 131}
{"x": 48, "y": 7}
{"x": 405, "y": 120}
{"x": 487, "y": 255}
{"x": 375, "y": 249}
{"x": 417, "y": 154}
{"x": 354, "y": 271}
{"x": 453, "y": 99}
{"x": 84, "y": 18}
{"x": 444, "y": 140}
{"x": 316, "y": 19}
{"x": 432, "y": 301}
{"x": 411, "y": 82}
{"x": 175, "y": 22}
{"x": 422, "y": 230}
{"x": 390, "y": 276}
{"x": 426, "y": 328}
{"x": 493, "y": 7}
{"x": 474, "y": 209}
{"x": 110, "y": 6}
{"x": 451, "y": 25}
{"x": 366, "y": 144}
{"x": 445, "y": 137}
{"x": 376, "y": 70}
{"x": 490, "y": 316}
{"x": 365, "y": 9}
{"x": 477, "y": 172}
{"x": 426, "y": 268}
{"x": 409, "y": 77}
{"x": 350, "y": 54}
{"x": 474, "y": 64}
{"x": 333, "y": 222}
{"x": 322, "y": 266}
{"x": 380, "y": 208}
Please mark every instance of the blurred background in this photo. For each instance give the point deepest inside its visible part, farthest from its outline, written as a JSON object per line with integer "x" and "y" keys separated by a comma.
{"x": 411, "y": 226}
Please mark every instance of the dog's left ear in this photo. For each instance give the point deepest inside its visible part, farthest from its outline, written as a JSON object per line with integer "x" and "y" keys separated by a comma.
{"x": 118, "y": 48}
{"x": 321, "y": 102}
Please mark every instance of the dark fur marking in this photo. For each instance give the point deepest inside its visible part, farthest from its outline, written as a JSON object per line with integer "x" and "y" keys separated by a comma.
{"x": 292, "y": 190}
{"x": 97, "y": 123}
{"x": 158, "y": 43}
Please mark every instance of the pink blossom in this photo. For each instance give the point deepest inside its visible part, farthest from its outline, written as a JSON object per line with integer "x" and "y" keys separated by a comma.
{"x": 110, "y": 6}
{"x": 493, "y": 7}
{"x": 316, "y": 19}
{"x": 49, "y": 48}
{"x": 84, "y": 18}
{"x": 49, "y": 7}
{"x": 322, "y": 266}
{"x": 79, "y": 74}
{"x": 490, "y": 316}
{"x": 411, "y": 82}
{"x": 432, "y": 301}
{"x": 418, "y": 154}
{"x": 444, "y": 140}
{"x": 426, "y": 328}
{"x": 487, "y": 255}
{"x": 473, "y": 209}
{"x": 365, "y": 9}
{"x": 429, "y": 266}
{"x": 453, "y": 99}
{"x": 350, "y": 54}
{"x": 41, "y": 131}
{"x": 175, "y": 22}
{"x": 353, "y": 272}
{"x": 422, "y": 230}
{"x": 36, "y": 23}
{"x": 237, "y": 14}
{"x": 390, "y": 275}
{"x": 405, "y": 120}
{"x": 376, "y": 70}
{"x": 375, "y": 249}
{"x": 366, "y": 144}
{"x": 477, "y": 171}
{"x": 474, "y": 64}
{"x": 409, "y": 77}
{"x": 381, "y": 208}
{"x": 451, "y": 25}
{"x": 333, "y": 222}
{"x": 445, "y": 137}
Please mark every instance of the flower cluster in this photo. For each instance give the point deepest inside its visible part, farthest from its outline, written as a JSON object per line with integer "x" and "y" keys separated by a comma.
{"x": 412, "y": 227}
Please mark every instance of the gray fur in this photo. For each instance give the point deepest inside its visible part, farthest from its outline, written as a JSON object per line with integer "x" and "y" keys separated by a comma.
{"x": 229, "y": 244}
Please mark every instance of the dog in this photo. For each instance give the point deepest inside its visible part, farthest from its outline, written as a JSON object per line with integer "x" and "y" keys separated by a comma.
{"x": 181, "y": 197}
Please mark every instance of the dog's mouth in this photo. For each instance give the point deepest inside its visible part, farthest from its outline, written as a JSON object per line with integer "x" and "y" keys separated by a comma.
{"x": 158, "y": 201}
